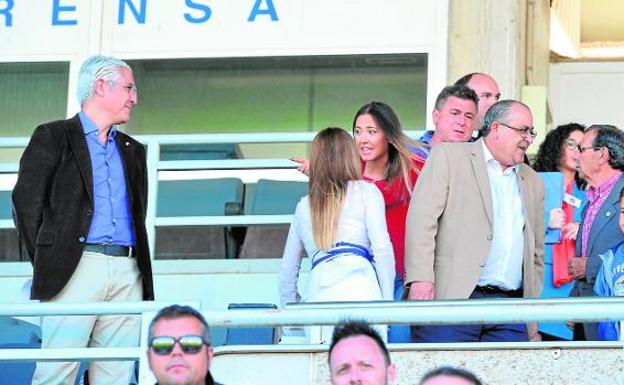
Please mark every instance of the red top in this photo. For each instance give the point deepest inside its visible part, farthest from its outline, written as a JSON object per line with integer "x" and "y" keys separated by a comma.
{"x": 397, "y": 199}
{"x": 565, "y": 250}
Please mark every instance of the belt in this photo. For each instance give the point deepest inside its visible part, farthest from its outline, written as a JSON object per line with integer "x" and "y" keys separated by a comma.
{"x": 489, "y": 289}
{"x": 345, "y": 248}
{"x": 109, "y": 249}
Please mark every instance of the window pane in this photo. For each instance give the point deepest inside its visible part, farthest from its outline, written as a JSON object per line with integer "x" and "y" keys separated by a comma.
{"x": 274, "y": 94}
{"x": 30, "y": 94}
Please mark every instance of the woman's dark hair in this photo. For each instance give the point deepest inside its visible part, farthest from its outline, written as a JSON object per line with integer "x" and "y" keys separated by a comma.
{"x": 548, "y": 157}
{"x": 400, "y": 146}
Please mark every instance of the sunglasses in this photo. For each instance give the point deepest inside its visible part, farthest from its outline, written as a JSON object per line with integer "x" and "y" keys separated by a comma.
{"x": 164, "y": 345}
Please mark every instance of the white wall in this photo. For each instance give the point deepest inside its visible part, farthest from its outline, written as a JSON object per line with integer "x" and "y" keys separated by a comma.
{"x": 587, "y": 93}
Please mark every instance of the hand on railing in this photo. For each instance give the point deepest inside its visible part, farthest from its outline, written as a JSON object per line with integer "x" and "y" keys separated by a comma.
{"x": 421, "y": 291}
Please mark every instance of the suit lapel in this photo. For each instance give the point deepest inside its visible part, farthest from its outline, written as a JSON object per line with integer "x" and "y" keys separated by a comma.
{"x": 525, "y": 200}
{"x": 78, "y": 144}
{"x": 480, "y": 170}
{"x": 606, "y": 214}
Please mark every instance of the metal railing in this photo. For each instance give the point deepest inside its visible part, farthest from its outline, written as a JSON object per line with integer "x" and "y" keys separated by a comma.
{"x": 308, "y": 314}
{"x": 154, "y": 165}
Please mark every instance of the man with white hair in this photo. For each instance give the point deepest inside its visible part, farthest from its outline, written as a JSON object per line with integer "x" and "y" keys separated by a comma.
{"x": 80, "y": 203}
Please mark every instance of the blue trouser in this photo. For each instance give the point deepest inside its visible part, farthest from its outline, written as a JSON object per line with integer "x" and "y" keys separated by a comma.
{"x": 472, "y": 332}
{"x": 399, "y": 333}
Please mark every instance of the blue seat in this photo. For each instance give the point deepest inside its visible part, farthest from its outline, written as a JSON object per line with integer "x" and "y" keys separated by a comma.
{"x": 265, "y": 198}
{"x": 202, "y": 197}
{"x": 204, "y": 151}
{"x": 251, "y": 336}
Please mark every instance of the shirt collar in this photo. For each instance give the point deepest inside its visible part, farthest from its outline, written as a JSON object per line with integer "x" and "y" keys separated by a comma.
{"x": 426, "y": 137}
{"x": 489, "y": 159}
{"x": 88, "y": 126}
{"x": 605, "y": 187}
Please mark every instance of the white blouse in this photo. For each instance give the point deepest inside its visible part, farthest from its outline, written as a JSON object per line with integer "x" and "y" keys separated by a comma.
{"x": 362, "y": 222}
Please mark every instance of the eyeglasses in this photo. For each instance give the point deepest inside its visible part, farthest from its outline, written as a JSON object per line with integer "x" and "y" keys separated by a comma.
{"x": 571, "y": 144}
{"x": 164, "y": 345}
{"x": 131, "y": 88}
{"x": 527, "y": 131}
{"x": 582, "y": 149}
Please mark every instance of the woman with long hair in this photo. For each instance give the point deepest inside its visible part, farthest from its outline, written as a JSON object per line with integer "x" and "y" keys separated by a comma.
{"x": 559, "y": 153}
{"x": 389, "y": 160}
{"x": 341, "y": 225}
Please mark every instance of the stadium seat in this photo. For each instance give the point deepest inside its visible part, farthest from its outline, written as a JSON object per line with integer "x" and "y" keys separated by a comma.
{"x": 9, "y": 241}
{"x": 270, "y": 197}
{"x": 251, "y": 336}
{"x": 202, "y": 197}
{"x": 206, "y": 151}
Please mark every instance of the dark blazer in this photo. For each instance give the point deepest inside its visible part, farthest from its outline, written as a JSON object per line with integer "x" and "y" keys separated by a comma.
{"x": 53, "y": 203}
{"x": 603, "y": 235}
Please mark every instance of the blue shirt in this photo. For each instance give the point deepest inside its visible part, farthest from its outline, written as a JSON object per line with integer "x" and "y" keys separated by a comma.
{"x": 111, "y": 221}
{"x": 425, "y": 141}
{"x": 610, "y": 282}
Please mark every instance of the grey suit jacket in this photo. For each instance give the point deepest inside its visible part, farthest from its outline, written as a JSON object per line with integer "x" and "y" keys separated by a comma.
{"x": 449, "y": 222}
{"x": 605, "y": 233}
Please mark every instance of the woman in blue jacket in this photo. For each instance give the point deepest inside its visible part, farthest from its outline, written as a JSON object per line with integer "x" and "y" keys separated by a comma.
{"x": 559, "y": 154}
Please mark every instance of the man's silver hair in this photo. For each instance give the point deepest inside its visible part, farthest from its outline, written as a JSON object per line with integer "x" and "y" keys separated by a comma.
{"x": 95, "y": 68}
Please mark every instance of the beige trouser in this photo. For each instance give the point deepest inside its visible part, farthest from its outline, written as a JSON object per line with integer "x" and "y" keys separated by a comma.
{"x": 98, "y": 277}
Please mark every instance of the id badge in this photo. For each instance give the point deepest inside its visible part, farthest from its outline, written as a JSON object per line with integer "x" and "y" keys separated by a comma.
{"x": 571, "y": 200}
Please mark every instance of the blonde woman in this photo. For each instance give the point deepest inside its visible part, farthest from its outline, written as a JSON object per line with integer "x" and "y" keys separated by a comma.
{"x": 341, "y": 225}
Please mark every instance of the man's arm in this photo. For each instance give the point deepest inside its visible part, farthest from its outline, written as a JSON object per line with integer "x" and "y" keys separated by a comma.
{"x": 426, "y": 206}
{"x": 37, "y": 167}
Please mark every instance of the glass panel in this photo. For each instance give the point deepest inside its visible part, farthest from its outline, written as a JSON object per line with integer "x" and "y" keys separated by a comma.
{"x": 274, "y": 94}
{"x": 31, "y": 94}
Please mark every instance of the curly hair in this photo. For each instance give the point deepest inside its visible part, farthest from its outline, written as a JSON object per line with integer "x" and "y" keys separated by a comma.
{"x": 548, "y": 157}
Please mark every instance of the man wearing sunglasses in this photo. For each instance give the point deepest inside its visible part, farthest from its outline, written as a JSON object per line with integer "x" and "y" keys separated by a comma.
{"x": 475, "y": 227}
{"x": 179, "y": 347}
{"x": 601, "y": 161}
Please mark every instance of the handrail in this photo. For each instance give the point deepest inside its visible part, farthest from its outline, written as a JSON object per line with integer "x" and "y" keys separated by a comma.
{"x": 412, "y": 312}
{"x": 35, "y": 308}
{"x": 154, "y": 165}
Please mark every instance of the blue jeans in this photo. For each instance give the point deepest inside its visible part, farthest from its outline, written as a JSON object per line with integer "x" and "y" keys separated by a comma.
{"x": 399, "y": 333}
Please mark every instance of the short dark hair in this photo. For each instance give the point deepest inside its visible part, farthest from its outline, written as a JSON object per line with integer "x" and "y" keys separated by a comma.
{"x": 499, "y": 111}
{"x": 355, "y": 328}
{"x": 451, "y": 372}
{"x": 179, "y": 311}
{"x": 612, "y": 139}
{"x": 459, "y": 91}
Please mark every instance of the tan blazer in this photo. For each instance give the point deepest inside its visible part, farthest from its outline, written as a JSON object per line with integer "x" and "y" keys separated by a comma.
{"x": 449, "y": 222}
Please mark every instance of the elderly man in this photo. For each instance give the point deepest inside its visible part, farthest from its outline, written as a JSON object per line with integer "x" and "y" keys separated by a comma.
{"x": 358, "y": 355}
{"x": 475, "y": 225}
{"x": 601, "y": 161}
{"x": 486, "y": 89}
{"x": 179, "y": 347}
{"x": 454, "y": 117}
{"x": 80, "y": 203}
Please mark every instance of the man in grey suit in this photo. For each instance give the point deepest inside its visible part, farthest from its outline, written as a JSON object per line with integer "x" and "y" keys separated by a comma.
{"x": 601, "y": 164}
{"x": 475, "y": 225}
